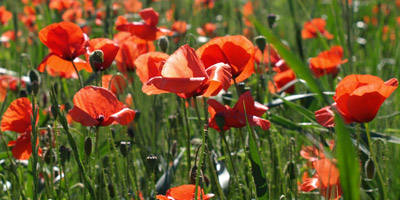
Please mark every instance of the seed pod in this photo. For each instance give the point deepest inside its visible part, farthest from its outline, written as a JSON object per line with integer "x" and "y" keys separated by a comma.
{"x": 369, "y": 168}
{"x": 88, "y": 146}
{"x": 193, "y": 175}
{"x": 261, "y": 42}
{"x": 290, "y": 169}
{"x": 97, "y": 56}
{"x": 271, "y": 20}
{"x": 163, "y": 43}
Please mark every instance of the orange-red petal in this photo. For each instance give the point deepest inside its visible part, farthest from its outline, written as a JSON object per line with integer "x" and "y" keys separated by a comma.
{"x": 17, "y": 117}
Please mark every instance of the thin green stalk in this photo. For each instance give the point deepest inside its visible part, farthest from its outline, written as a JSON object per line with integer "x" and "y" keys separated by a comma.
{"x": 205, "y": 131}
{"x": 77, "y": 73}
{"x": 34, "y": 138}
{"x": 382, "y": 183}
{"x": 187, "y": 136}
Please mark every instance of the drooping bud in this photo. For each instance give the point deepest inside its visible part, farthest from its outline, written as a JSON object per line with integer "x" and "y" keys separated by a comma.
{"x": 96, "y": 57}
{"x": 261, "y": 42}
{"x": 290, "y": 170}
{"x": 152, "y": 160}
{"x": 34, "y": 80}
{"x": 369, "y": 168}
{"x": 271, "y": 20}
{"x": 88, "y": 146}
{"x": 163, "y": 43}
{"x": 65, "y": 154}
{"x": 193, "y": 175}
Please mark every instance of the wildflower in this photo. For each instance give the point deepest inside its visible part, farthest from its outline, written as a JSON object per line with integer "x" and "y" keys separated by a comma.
{"x": 327, "y": 62}
{"x": 184, "y": 192}
{"x": 236, "y": 51}
{"x": 5, "y": 15}
{"x": 66, "y": 42}
{"x": 183, "y": 74}
{"x": 115, "y": 83}
{"x": 97, "y": 106}
{"x": 357, "y": 99}
{"x": 281, "y": 78}
{"x": 236, "y": 117}
{"x": 8, "y": 82}
{"x": 313, "y": 27}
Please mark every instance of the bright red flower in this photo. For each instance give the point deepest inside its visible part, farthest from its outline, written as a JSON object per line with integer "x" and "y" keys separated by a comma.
{"x": 97, "y": 106}
{"x": 17, "y": 118}
{"x": 8, "y": 82}
{"x": 207, "y": 29}
{"x": 313, "y": 27}
{"x": 281, "y": 79}
{"x": 5, "y": 15}
{"x": 179, "y": 27}
{"x": 114, "y": 83}
{"x": 327, "y": 62}
{"x": 236, "y": 117}
{"x": 146, "y": 30}
{"x": 326, "y": 179}
{"x": 270, "y": 55}
{"x": 130, "y": 48}
{"x": 236, "y": 51}
{"x": 184, "y": 192}
{"x": 183, "y": 74}
{"x": 61, "y": 5}
{"x": 357, "y": 99}
{"x": 109, "y": 49}
{"x": 66, "y": 42}
{"x": 132, "y": 6}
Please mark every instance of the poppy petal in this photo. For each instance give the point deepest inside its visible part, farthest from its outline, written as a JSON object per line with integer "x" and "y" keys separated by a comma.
{"x": 252, "y": 107}
{"x": 219, "y": 78}
{"x": 149, "y": 65}
{"x": 149, "y": 16}
{"x": 172, "y": 85}
{"x": 82, "y": 117}
{"x": 17, "y": 117}
{"x": 124, "y": 117}
{"x": 325, "y": 116}
{"x": 22, "y": 149}
{"x": 310, "y": 184}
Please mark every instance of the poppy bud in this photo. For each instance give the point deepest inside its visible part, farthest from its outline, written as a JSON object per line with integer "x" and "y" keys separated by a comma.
{"x": 172, "y": 121}
{"x": 131, "y": 133}
{"x": 271, "y": 20}
{"x": 124, "y": 147}
{"x": 261, "y": 42}
{"x": 220, "y": 121}
{"x": 111, "y": 190}
{"x": 48, "y": 156}
{"x": 163, "y": 43}
{"x": 34, "y": 75}
{"x": 65, "y": 154}
{"x": 369, "y": 168}
{"x": 97, "y": 56}
{"x": 23, "y": 93}
{"x": 44, "y": 100}
{"x": 54, "y": 110}
{"x": 88, "y": 146}
{"x": 137, "y": 115}
{"x": 173, "y": 148}
{"x": 193, "y": 175}
{"x": 152, "y": 160}
{"x": 290, "y": 169}
{"x": 227, "y": 98}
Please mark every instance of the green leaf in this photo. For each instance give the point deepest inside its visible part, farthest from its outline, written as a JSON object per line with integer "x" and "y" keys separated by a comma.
{"x": 347, "y": 161}
{"x": 300, "y": 109}
{"x": 292, "y": 60}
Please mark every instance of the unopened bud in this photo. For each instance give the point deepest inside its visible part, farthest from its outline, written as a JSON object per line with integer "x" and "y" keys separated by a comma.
{"x": 261, "y": 42}
{"x": 271, "y": 20}
{"x": 220, "y": 120}
{"x": 152, "y": 160}
{"x": 290, "y": 169}
{"x": 369, "y": 169}
{"x": 65, "y": 154}
{"x": 227, "y": 98}
{"x": 49, "y": 156}
{"x": 163, "y": 43}
{"x": 137, "y": 115}
{"x": 124, "y": 147}
{"x": 174, "y": 148}
{"x": 88, "y": 146}
{"x": 23, "y": 93}
{"x": 193, "y": 175}
{"x": 95, "y": 58}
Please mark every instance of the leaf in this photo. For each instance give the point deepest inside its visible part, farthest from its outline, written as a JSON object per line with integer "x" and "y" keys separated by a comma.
{"x": 300, "y": 109}
{"x": 292, "y": 60}
{"x": 347, "y": 161}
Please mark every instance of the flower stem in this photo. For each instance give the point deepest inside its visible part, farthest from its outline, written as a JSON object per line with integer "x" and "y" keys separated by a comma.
{"x": 77, "y": 73}
{"x": 382, "y": 183}
{"x": 202, "y": 154}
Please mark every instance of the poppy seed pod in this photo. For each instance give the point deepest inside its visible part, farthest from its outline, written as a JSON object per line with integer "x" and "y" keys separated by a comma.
{"x": 261, "y": 42}
{"x": 193, "y": 175}
{"x": 163, "y": 43}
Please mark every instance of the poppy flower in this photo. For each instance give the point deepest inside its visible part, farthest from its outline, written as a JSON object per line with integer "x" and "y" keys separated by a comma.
{"x": 5, "y": 15}
{"x": 280, "y": 80}
{"x": 17, "y": 118}
{"x": 357, "y": 99}
{"x": 235, "y": 117}
{"x": 130, "y": 48}
{"x": 236, "y": 51}
{"x": 326, "y": 179}
{"x": 132, "y": 6}
{"x": 313, "y": 27}
{"x": 179, "y": 27}
{"x": 97, "y": 106}
{"x": 270, "y": 55}
{"x": 327, "y": 62}
{"x": 183, "y": 74}
{"x": 66, "y": 42}
{"x": 109, "y": 49}
{"x": 184, "y": 192}
{"x": 114, "y": 83}
{"x": 8, "y": 82}
{"x": 208, "y": 29}
{"x": 61, "y": 5}
{"x": 146, "y": 30}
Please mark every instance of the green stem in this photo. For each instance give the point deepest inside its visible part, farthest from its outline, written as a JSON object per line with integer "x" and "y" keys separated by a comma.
{"x": 205, "y": 131}
{"x": 34, "y": 138}
{"x": 187, "y": 136}
{"x": 77, "y": 73}
{"x": 382, "y": 183}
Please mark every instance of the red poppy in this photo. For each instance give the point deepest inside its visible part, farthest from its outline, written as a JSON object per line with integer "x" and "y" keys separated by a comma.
{"x": 207, "y": 4}
{"x": 236, "y": 51}
{"x": 5, "y": 15}
{"x": 114, "y": 83}
{"x": 66, "y": 42}
{"x": 109, "y": 49}
{"x": 357, "y": 99}
{"x": 72, "y": 15}
{"x": 61, "y": 5}
{"x": 179, "y": 27}
{"x": 280, "y": 80}
{"x": 184, "y": 192}
{"x": 132, "y": 6}
{"x": 29, "y": 18}
{"x": 326, "y": 179}
{"x": 130, "y": 48}
{"x": 17, "y": 118}
{"x": 97, "y": 106}
{"x": 182, "y": 74}
{"x": 235, "y": 117}
{"x": 8, "y": 82}
{"x": 207, "y": 29}
{"x": 311, "y": 29}
{"x": 270, "y": 55}
{"x": 146, "y": 30}
{"x": 327, "y": 62}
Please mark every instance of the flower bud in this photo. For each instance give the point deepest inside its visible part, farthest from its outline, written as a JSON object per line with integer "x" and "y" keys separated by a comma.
{"x": 23, "y": 93}
{"x": 65, "y": 154}
{"x": 88, "y": 146}
{"x": 96, "y": 57}
{"x": 174, "y": 148}
{"x": 290, "y": 169}
{"x": 163, "y": 43}
{"x": 227, "y": 98}
{"x": 369, "y": 168}
{"x": 271, "y": 20}
{"x": 261, "y": 42}
{"x": 124, "y": 147}
{"x": 193, "y": 175}
{"x": 49, "y": 156}
{"x": 152, "y": 160}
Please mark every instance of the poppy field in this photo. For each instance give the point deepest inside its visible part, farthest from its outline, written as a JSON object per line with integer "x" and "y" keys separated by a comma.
{"x": 199, "y": 99}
